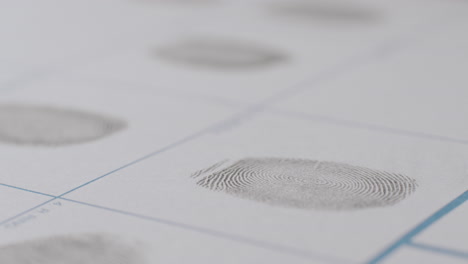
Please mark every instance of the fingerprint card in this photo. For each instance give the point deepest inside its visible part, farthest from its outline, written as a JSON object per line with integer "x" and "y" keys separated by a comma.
{"x": 220, "y": 131}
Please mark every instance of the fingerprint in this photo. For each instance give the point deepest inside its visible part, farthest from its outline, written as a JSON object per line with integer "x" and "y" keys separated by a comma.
{"x": 49, "y": 126}
{"x": 74, "y": 249}
{"x": 221, "y": 54}
{"x": 324, "y": 11}
{"x": 307, "y": 184}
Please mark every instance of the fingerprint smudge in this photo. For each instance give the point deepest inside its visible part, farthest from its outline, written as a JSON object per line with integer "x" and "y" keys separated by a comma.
{"x": 50, "y": 126}
{"x": 74, "y": 249}
{"x": 221, "y": 54}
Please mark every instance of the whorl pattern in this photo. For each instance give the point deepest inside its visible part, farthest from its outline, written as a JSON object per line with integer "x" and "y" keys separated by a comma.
{"x": 307, "y": 183}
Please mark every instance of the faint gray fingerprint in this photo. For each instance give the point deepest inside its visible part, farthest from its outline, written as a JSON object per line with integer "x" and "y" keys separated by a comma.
{"x": 221, "y": 54}
{"x": 49, "y": 126}
{"x": 324, "y": 11}
{"x": 74, "y": 249}
{"x": 306, "y": 184}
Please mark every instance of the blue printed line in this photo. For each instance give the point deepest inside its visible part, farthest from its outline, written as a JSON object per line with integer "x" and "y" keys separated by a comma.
{"x": 366, "y": 126}
{"x": 219, "y": 234}
{"x": 404, "y": 240}
{"x": 329, "y": 120}
{"x": 440, "y": 250}
{"x": 164, "y": 149}
{"x": 26, "y": 190}
{"x": 25, "y": 212}
{"x": 173, "y": 145}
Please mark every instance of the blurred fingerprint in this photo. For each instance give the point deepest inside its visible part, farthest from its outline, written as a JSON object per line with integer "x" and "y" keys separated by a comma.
{"x": 74, "y": 249}
{"x": 221, "y": 54}
{"x": 306, "y": 184}
{"x": 324, "y": 11}
{"x": 50, "y": 126}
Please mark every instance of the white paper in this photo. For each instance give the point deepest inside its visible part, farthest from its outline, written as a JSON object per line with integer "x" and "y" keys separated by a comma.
{"x": 344, "y": 121}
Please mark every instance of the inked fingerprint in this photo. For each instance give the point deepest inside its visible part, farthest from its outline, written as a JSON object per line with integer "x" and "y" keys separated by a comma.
{"x": 306, "y": 184}
{"x": 74, "y": 249}
{"x": 324, "y": 11}
{"x": 49, "y": 126}
{"x": 221, "y": 54}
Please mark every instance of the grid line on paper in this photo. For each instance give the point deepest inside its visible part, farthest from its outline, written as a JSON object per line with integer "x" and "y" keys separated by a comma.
{"x": 335, "y": 121}
{"x": 440, "y": 250}
{"x": 27, "y": 211}
{"x": 27, "y": 190}
{"x": 224, "y": 235}
{"x": 166, "y": 148}
{"x": 406, "y": 239}
{"x": 366, "y": 126}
